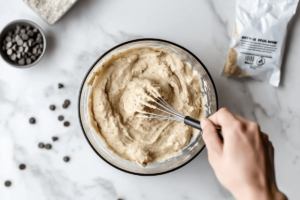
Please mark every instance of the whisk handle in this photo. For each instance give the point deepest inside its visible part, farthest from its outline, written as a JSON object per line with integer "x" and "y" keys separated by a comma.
{"x": 196, "y": 124}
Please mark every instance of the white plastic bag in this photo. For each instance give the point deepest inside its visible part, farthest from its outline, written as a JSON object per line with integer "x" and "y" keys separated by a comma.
{"x": 258, "y": 41}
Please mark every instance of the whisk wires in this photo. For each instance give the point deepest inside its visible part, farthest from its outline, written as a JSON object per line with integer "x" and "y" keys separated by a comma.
{"x": 163, "y": 106}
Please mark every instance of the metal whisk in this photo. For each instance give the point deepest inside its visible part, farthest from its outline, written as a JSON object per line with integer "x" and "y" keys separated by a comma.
{"x": 163, "y": 106}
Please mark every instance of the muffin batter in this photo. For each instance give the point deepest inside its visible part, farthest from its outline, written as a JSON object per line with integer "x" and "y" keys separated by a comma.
{"x": 121, "y": 88}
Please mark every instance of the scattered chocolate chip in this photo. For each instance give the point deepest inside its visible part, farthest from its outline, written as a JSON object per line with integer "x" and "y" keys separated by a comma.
{"x": 48, "y": 146}
{"x": 41, "y": 145}
{"x": 22, "y": 166}
{"x": 68, "y": 102}
{"x": 66, "y": 158}
{"x": 60, "y": 85}
{"x": 7, "y": 183}
{"x": 52, "y": 107}
{"x": 54, "y": 138}
{"x": 66, "y": 123}
{"x": 32, "y": 120}
{"x": 60, "y": 117}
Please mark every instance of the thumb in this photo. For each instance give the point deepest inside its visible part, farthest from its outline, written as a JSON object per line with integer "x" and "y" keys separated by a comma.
{"x": 211, "y": 138}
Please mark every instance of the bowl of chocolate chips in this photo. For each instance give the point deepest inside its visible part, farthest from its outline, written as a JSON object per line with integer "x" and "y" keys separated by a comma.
{"x": 23, "y": 43}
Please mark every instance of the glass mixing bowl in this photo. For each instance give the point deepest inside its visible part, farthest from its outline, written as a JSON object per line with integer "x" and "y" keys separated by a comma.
{"x": 196, "y": 144}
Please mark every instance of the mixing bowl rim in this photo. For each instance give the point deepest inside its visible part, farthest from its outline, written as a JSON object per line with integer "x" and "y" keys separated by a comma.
{"x": 92, "y": 67}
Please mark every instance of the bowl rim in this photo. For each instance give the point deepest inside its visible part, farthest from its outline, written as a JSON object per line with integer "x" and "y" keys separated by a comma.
{"x": 94, "y": 64}
{"x": 44, "y": 44}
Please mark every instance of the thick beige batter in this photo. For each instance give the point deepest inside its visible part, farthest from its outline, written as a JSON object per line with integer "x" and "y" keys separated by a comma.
{"x": 120, "y": 89}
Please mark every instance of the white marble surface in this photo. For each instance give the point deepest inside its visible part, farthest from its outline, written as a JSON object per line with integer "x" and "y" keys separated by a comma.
{"x": 89, "y": 29}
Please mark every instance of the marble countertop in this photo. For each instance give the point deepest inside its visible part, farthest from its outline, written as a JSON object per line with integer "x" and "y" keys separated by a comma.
{"x": 89, "y": 29}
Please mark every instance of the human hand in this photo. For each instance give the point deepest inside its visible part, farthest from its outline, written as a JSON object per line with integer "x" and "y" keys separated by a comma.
{"x": 244, "y": 161}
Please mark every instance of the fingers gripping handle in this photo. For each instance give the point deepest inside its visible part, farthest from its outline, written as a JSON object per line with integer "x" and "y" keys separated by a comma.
{"x": 196, "y": 124}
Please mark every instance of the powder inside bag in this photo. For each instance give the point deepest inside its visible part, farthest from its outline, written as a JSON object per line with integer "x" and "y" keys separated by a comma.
{"x": 231, "y": 68}
{"x": 50, "y": 10}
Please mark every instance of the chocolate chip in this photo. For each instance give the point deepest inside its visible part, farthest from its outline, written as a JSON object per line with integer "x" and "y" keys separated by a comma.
{"x": 20, "y": 42}
{"x": 30, "y": 33}
{"x": 9, "y": 33}
{"x": 41, "y": 46}
{"x": 9, "y": 44}
{"x": 66, "y": 158}
{"x": 25, "y": 44}
{"x": 39, "y": 51}
{"x": 39, "y": 35}
{"x": 60, "y": 117}
{"x": 26, "y": 49}
{"x": 21, "y": 61}
{"x": 67, "y": 101}
{"x": 9, "y": 52}
{"x": 35, "y": 30}
{"x": 48, "y": 146}
{"x": 52, "y": 107}
{"x": 20, "y": 49}
{"x": 28, "y": 61}
{"x": 33, "y": 57}
{"x": 34, "y": 51}
{"x": 30, "y": 41}
{"x": 60, "y": 85}
{"x": 25, "y": 37}
{"x": 32, "y": 120}
{"x": 8, "y": 38}
{"x": 14, "y": 47}
{"x": 22, "y": 166}
{"x": 27, "y": 27}
{"x": 54, "y": 138}
{"x": 19, "y": 55}
{"x": 7, "y": 183}
{"x": 13, "y": 57}
{"x": 23, "y": 30}
{"x": 41, "y": 145}
{"x": 66, "y": 123}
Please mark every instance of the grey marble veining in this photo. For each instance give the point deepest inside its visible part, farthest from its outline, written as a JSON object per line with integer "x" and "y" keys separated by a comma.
{"x": 88, "y": 30}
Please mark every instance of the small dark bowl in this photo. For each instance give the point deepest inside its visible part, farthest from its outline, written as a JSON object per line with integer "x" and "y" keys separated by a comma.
{"x": 11, "y": 27}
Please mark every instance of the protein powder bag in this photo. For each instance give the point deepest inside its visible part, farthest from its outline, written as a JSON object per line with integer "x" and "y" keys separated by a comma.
{"x": 258, "y": 41}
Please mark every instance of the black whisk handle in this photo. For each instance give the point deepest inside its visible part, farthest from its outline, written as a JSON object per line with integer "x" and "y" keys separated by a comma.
{"x": 196, "y": 124}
